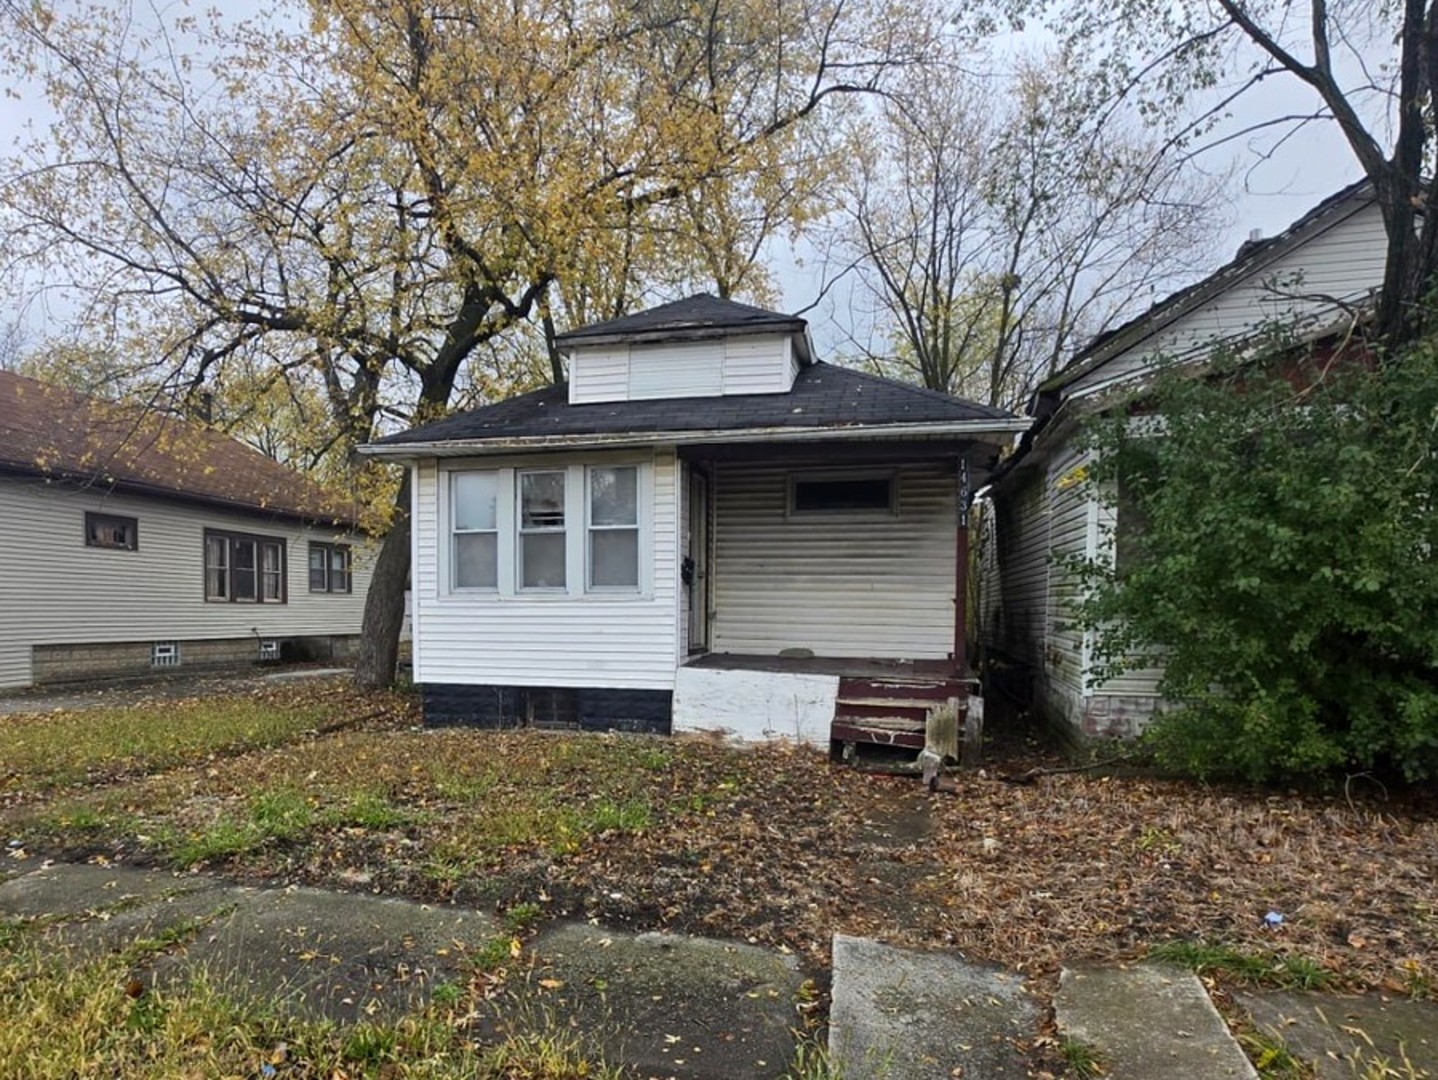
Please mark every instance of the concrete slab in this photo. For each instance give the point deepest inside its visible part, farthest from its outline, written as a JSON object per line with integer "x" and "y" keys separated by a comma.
{"x": 666, "y": 1004}
{"x": 901, "y": 1015}
{"x": 332, "y": 955}
{"x": 65, "y": 890}
{"x": 1344, "y": 1037}
{"x": 1148, "y": 1021}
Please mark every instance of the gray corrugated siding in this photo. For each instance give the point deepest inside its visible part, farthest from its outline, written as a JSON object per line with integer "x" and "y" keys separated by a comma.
{"x": 55, "y": 590}
{"x": 626, "y": 642}
{"x": 840, "y": 585}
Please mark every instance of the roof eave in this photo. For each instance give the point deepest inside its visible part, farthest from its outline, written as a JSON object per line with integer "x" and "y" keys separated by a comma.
{"x": 975, "y": 429}
{"x": 580, "y": 339}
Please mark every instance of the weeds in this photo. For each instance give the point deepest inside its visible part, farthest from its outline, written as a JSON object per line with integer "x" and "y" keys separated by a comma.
{"x": 1286, "y": 972}
{"x": 1084, "y": 1060}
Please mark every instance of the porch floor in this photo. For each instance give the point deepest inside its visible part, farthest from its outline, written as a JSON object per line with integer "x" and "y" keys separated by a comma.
{"x": 853, "y": 667}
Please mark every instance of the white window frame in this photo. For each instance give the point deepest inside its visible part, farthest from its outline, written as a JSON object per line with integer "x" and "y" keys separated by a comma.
{"x": 889, "y": 476}
{"x": 576, "y": 518}
{"x": 452, "y": 530}
{"x": 637, "y": 529}
{"x": 564, "y": 530}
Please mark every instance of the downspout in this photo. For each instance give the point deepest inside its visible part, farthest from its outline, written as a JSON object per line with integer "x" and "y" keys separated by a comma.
{"x": 961, "y": 572}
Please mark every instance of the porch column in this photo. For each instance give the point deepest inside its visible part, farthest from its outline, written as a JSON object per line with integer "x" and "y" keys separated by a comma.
{"x": 961, "y": 573}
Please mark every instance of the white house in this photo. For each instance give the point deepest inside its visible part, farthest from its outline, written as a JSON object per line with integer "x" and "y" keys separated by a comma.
{"x": 704, "y": 527}
{"x": 131, "y": 543}
{"x": 1311, "y": 279}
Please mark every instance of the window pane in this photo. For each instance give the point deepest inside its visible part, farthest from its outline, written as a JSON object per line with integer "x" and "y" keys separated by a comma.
{"x": 614, "y": 496}
{"x": 242, "y": 576}
{"x": 340, "y": 570}
{"x": 319, "y": 569}
{"x": 614, "y": 558}
{"x": 541, "y": 500}
{"x": 217, "y": 550}
{"x": 854, "y": 494}
{"x": 215, "y": 584}
{"x": 476, "y": 561}
{"x": 541, "y": 557}
{"x": 475, "y": 496}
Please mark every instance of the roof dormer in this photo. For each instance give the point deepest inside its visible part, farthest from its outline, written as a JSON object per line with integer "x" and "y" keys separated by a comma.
{"x": 701, "y": 346}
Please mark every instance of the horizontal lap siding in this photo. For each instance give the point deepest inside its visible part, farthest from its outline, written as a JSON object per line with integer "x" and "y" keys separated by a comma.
{"x": 518, "y": 641}
{"x": 840, "y": 585}
{"x": 56, "y": 591}
{"x": 758, "y": 365}
{"x": 1343, "y": 263}
{"x": 599, "y": 375}
{"x": 1041, "y": 519}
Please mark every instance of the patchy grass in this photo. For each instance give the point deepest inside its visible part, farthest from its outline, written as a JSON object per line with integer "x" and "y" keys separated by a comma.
{"x": 65, "y": 1018}
{"x": 773, "y": 845}
{"x": 53, "y": 749}
{"x": 1082, "y": 1059}
{"x": 1284, "y": 971}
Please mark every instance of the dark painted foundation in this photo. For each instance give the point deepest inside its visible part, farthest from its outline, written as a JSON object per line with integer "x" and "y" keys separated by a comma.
{"x": 563, "y": 708}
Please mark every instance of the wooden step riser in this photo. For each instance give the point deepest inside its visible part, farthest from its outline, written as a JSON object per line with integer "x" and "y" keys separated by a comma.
{"x": 849, "y": 732}
{"x": 918, "y": 713}
{"x": 879, "y": 688}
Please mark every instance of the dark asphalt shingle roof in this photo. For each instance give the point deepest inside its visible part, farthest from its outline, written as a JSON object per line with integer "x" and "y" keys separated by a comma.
{"x": 57, "y": 433}
{"x": 694, "y": 314}
{"x": 823, "y": 396}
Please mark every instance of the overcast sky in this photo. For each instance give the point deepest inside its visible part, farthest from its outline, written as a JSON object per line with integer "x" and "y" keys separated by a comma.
{"x": 1271, "y": 188}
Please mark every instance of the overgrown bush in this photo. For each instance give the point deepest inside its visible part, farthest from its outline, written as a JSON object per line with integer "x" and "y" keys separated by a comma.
{"x": 1280, "y": 559}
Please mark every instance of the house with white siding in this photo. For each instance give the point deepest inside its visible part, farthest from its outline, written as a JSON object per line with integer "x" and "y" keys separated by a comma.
{"x": 134, "y": 543}
{"x": 1312, "y": 281}
{"x": 704, "y": 527}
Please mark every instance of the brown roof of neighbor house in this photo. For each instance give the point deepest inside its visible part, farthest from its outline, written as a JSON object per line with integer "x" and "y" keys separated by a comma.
{"x": 58, "y": 433}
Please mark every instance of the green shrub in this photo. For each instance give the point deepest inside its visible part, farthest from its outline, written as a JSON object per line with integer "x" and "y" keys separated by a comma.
{"x": 1286, "y": 569}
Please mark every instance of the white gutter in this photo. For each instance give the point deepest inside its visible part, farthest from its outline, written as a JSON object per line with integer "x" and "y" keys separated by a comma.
{"x": 471, "y": 447}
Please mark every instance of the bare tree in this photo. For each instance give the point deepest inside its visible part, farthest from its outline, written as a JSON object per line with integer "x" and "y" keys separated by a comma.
{"x": 994, "y": 227}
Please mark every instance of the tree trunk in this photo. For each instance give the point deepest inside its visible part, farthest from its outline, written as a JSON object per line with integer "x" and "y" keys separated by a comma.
{"x": 378, "y": 655}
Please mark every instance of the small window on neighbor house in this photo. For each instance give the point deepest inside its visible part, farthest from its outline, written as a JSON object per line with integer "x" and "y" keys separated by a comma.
{"x": 111, "y": 531}
{"x": 329, "y": 568}
{"x": 841, "y": 494}
{"x": 474, "y": 521}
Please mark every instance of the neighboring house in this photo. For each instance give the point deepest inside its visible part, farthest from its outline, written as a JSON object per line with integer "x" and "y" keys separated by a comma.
{"x": 1311, "y": 280}
{"x": 705, "y": 528}
{"x": 133, "y": 543}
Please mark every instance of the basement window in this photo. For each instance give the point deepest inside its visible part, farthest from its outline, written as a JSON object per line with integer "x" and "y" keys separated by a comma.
{"x": 165, "y": 654}
{"x": 863, "y": 493}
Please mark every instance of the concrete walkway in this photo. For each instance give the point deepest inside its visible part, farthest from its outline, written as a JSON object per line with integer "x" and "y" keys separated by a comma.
{"x": 689, "y": 1008}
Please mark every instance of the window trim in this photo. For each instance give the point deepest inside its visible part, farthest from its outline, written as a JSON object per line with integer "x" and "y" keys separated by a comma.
{"x": 100, "y": 516}
{"x": 508, "y": 513}
{"x": 889, "y": 476}
{"x": 232, "y": 537}
{"x": 330, "y": 548}
{"x": 637, "y": 528}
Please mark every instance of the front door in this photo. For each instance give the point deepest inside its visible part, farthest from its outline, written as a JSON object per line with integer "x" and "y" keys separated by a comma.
{"x": 696, "y": 562}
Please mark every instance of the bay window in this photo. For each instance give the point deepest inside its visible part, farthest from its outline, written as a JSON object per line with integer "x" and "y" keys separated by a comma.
{"x": 566, "y": 530}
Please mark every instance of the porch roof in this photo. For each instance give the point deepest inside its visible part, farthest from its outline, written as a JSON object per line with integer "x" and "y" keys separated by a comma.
{"x": 826, "y": 401}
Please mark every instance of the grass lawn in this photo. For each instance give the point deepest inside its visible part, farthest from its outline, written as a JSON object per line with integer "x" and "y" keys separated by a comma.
{"x": 770, "y": 844}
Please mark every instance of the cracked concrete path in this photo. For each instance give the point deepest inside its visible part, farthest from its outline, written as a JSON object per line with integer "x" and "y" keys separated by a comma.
{"x": 666, "y": 1005}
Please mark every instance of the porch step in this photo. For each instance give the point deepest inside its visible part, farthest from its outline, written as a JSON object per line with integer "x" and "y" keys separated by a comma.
{"x": 885, "y": 731}
{"x": 891, "y": 702}
{"x": 908, "y": 689}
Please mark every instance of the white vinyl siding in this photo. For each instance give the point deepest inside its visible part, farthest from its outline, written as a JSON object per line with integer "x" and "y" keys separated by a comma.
{"x": 1042, "y": 518}
{"x": 623, "y": 640}
{"x": 758, "y": 364}
{"x": 839, "y": 584}
{"x": 599, "y": 375}
{"x": 54, "y": 590}
{"x": 678, "y": 370}
{"x": 1345, "y": 263}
